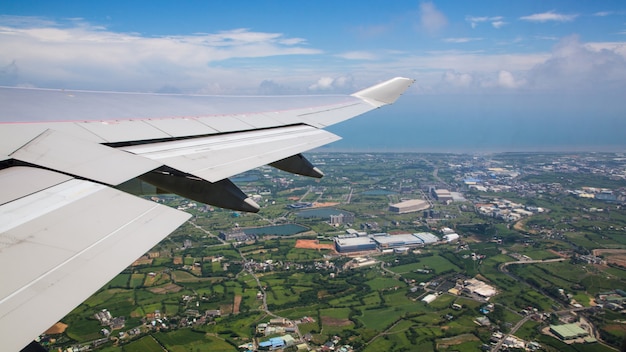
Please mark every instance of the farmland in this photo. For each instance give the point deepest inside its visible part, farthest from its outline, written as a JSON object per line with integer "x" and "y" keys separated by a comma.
{"x": 195, "y": 291}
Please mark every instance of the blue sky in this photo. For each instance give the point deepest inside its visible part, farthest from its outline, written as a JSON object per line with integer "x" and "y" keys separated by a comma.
{"x": 567, "y": 58}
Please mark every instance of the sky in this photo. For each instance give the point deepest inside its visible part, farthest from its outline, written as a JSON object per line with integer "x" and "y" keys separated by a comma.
{"x": 490, "y": 75}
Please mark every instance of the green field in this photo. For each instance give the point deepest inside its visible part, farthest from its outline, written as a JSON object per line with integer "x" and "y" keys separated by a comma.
{"x": 144, "y": 344}
{"x": 373, "y": 307}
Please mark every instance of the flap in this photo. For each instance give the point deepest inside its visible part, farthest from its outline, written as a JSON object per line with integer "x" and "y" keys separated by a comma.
{"x": 58, "y": 151}
{"x": 217, "y": 157}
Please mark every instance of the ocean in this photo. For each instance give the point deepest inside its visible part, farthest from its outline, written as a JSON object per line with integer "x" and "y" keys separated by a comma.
{"x": 494, "y": 123}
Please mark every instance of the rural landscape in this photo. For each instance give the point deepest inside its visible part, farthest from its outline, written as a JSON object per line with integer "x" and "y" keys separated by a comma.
{"x": 530, "y": 254}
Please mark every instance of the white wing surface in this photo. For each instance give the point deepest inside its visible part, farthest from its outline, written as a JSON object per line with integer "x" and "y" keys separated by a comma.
{"x": 65, "y": 230}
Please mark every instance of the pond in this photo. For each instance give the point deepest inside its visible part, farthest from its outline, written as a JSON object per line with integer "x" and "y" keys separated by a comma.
{"x": 245, "y": 178}
{"x": 278, "y": 230}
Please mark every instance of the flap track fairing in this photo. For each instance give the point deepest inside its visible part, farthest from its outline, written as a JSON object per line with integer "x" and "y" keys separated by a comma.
{"x": 223, "y": 193}
{"x": 299, "y": 165}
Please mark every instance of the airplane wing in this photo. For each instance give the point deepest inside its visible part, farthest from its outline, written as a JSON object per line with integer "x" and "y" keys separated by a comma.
{"x": 66, "y": 228}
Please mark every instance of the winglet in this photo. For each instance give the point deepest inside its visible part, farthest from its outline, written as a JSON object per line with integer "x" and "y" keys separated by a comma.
{"x": 386, "y": 92}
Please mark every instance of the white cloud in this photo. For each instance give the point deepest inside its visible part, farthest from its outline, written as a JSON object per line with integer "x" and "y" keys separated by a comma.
{"x": 506, "y": 80}
{"x": 603, "y": 13}
{"x": 498, "y": 24}
{"x": 329, "y": 83}
{"x": 77, "y": 55}
{"x": 461, "y": 40}
{"x": 575, "y": 66}
{"x": 242, "y": 61}
{"x": 358, "y": 55}
{"x": 496, "y": 21}
{"x": 457, "y": 79}
{"x": 431, "y": 19}
{"x": 548, "y": 16}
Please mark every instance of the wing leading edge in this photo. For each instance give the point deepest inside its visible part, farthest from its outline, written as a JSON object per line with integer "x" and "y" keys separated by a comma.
{"x": 65, "y": 232}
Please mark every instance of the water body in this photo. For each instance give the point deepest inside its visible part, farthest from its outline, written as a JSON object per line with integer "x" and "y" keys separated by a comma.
{"x": 321, "y": 213}
{"x": 278, "y": 230}
{"x": 488, "y": 123}
{"x": 248, "y": 178}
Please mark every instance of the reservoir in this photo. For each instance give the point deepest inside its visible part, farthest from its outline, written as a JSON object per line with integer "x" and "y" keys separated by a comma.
{"x": 245, "y": 178}
{"x": 277, "y": 230}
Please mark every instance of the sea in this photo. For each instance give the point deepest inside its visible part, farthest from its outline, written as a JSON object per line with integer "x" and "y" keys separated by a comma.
{"x": 485, "y": 124}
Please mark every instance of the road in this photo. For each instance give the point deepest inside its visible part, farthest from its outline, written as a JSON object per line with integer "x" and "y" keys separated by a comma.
{"x": 349, "y": 198}
{"x": 503, "y": 266}
{"x": 519, "y": 324}
{"x": 264, "y": 306}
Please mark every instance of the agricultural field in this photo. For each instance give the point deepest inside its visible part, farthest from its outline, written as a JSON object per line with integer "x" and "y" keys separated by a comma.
{"x": 378, "y": 307}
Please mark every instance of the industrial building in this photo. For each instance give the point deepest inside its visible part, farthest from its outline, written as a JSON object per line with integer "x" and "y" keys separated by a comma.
{"x": 409, "y": 206}
{"x": 394, "y": 241}
{"x": 442, "y": 195}
{"x": 273, "y": 343}
{"x": 383, "y": 241}
{"x": 427, "y": 237}
{"x": 429, "y": 298}
{"x": 405, "y": 240}
{"x": 478, "y": 287}
{"x": 568, "y": 331}
{"x": 355, "y": 244}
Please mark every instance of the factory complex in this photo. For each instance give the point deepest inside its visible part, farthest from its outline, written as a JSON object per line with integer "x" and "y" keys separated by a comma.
{"x": 383, "y": 241}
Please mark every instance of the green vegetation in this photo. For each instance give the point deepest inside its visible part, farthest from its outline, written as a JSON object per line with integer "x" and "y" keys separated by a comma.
{"x": 376, "y": 307}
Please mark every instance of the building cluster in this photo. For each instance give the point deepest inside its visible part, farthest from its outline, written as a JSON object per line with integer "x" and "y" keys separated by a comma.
{"x": 383, "y": 241}
{"x": 613, "y": 300}
{"x": 342, "y": 218}
{"x": 361, "y": 262}
{"x": 449, "y": 235}
{"x": 236, "y": 236}
{"x": 271, "y": 265}
{"x": 477, "y": 287}
{"x": 106, "y": 319}
{"x": 506, "y": 210}
{"x": 275, "y": 326}
{"x": 490, "y": 178}
{"x": 512, "y": 342}
{"x": 282, "y": 327}
{"x": 603, "y": 194}
{"x": 474, "y": 288}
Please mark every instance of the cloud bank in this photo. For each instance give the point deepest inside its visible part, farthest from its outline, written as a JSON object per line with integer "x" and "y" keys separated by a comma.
{"x": 77, "y": 55}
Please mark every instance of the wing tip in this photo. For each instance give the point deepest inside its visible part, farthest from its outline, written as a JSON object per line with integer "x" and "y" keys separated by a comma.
{"x": 386, "y": 92}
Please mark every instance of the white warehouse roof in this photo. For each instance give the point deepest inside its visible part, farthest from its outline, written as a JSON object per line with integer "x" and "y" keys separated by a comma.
{"x": 427, "y": 237}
